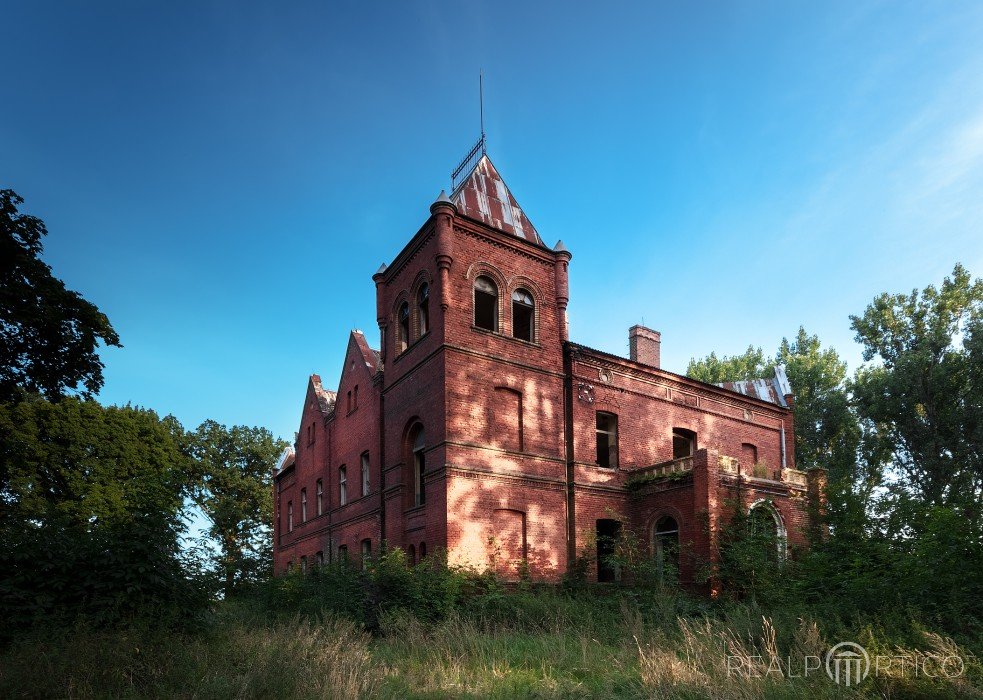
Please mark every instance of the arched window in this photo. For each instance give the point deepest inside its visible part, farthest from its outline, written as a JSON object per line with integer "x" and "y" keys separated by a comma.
{"x": 666, "y": 540}
{"x": 423, "y": 307}
{"x": 523, "y": 314}
{"x": 366, "y": 552}
{"x": 320, "y": 497}
{"x": 303, "y": 505}
{"x": 342, "y": 485}
{"x": 683, "y": 443}
{"x": 417, "y": 445}
{"x": 767, "y": 530}
{"x": 403, "y": 341}
{"x": 423, "y": 550}
{"x": 485, "y": 304}
{"x": 411, "y": 554}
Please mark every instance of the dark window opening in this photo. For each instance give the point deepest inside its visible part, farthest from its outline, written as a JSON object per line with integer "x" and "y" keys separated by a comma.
{"x": 423, "y": 550}
{"x": 365, "y": 473}
{"x": 683, "y": 443}
{"x": 320, "y": 497}
{"x": 342, "y": 485}
{"x": 608, "y": 533}
{"x": 607, "y": 440}
{"x": 423, "y": 305}
{"x": 366, "y": 552}
{"x": 485, "y": 304}
{"x": 419, "y": 465}
{"x": 319, "y": 559}
{"x": 411, "y": 555}
{"x": 343, "y": 553}
{"x": 523, "y": 314}
{"x": 667, "y": 548}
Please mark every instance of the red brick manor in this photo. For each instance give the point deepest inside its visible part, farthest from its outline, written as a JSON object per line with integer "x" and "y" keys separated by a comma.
{"x": 481, "y": 430}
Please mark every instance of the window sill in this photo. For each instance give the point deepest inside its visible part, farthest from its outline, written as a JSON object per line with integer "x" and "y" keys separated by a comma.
{"x": 530, "y": 343}
{"x": 409, "y": 347}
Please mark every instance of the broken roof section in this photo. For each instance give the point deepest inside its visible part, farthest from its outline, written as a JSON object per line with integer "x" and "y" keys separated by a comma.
{"x": 372, "y": 357}
{"x": 325, "y": 399}
{"x": 483, "y": 195}
{"x": 772, "y": 390}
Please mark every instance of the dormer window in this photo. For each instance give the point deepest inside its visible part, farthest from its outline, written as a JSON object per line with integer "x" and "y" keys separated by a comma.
{"x": 523, "y": 313}
{"x": 485, "y": 304}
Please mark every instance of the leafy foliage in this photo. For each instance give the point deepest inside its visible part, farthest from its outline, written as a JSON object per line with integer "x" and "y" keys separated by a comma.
{"x": 716, "y": 370}
{"x": 231, "y": 485}
{"x": 91, "y": 522}
{"x": 923, "y": 399}
{"x": 48, "y": 333}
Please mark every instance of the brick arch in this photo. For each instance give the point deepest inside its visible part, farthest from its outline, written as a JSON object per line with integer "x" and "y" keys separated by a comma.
{"x": 662, "y": 512}
{"x": 609, "y": 405}
{"x": 772, "y": 508}
{"x": 482, "y": 268}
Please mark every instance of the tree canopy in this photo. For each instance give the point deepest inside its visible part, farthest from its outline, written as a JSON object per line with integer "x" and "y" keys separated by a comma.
{"x": 49, "y": 334}
{"x": 233, "y": 470}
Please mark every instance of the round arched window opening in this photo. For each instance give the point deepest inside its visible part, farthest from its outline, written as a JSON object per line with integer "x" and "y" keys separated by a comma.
{"x": 766, "y": 530}
{"x": 417, "y": 447}
{"x": 423, "y": 308}
{"x": 523, "y": 315}
{"x": 485, "y": 304}
{"x": 404, "y": 327}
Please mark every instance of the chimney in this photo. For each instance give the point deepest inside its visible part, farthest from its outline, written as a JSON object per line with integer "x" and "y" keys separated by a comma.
{"x": 644, "y": 345}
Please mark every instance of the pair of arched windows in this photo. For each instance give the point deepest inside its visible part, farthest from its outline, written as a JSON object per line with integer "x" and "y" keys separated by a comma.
{"x": 486, "y": 309}
{"x": 404, "y": 321}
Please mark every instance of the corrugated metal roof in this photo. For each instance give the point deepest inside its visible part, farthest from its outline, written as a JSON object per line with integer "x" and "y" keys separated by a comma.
{"x": 483, "y": 195}
{"x": 773, "y": 390}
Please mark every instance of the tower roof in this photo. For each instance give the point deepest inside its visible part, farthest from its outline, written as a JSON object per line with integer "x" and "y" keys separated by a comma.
{"x": 483, "y": 195}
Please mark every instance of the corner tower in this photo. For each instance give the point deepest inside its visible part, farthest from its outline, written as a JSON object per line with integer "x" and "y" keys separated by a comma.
{"x": 472, "y": 315}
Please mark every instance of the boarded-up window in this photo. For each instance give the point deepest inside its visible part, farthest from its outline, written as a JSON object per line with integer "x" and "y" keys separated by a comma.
{"x": 749, "y": 456}
{"x": 508, "y": 543}
{"x": 505, "y": 419}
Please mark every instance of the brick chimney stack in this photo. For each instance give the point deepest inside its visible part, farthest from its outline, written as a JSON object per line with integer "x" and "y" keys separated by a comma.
{"x": 645, "y": 345}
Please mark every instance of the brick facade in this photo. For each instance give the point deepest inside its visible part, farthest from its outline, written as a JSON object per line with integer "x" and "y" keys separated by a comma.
{"x": 506, "y": 428}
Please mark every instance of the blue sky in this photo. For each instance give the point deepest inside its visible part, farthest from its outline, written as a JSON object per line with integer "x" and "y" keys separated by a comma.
{"x": 223, "y": 178}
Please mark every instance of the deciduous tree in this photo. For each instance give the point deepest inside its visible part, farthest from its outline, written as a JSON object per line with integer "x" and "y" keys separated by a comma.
{"x": 49, "y": 334}
{"x": 233, "y": 469}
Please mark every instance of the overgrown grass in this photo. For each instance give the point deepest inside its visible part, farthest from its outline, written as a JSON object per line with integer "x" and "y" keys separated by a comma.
{"x": 493, "y": 644}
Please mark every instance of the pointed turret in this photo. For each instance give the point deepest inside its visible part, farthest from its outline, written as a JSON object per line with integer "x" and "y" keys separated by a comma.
{"x": 483, "y": 195}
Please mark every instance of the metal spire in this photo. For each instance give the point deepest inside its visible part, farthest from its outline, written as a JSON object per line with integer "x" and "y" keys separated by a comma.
{"x": 481, "y": 106}
{"x": 478, "y": 150}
